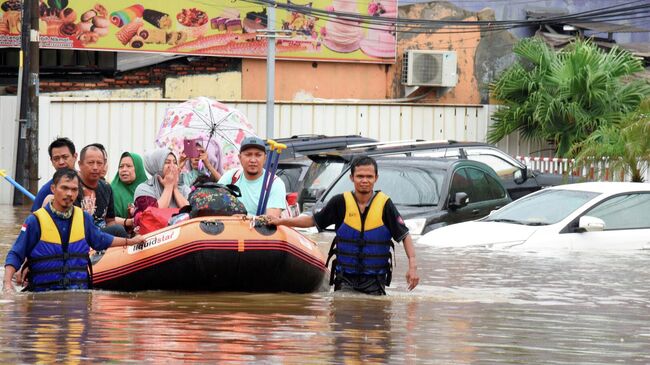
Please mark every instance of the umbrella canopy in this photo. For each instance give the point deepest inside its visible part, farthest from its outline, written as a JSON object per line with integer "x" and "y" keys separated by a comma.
{"x": 218, "y": 127}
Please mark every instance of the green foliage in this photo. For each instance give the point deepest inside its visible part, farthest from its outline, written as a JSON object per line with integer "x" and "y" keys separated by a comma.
{"x": 564, "y": 96}
{"x": 624, "y": 143}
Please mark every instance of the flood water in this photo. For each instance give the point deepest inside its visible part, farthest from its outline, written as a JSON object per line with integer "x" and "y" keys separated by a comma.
{"x": 472, "y": 307}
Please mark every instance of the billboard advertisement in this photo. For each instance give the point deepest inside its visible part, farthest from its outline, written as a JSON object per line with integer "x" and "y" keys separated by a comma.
{"x": 216, "y": 28}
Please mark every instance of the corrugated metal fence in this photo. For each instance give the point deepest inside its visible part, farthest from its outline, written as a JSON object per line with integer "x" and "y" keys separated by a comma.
{"x": 131, "y": 125}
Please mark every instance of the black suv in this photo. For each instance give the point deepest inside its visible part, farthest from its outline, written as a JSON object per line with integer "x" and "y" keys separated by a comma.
{"x": 294, "y": 162}
{"x": 515, "y": 175}
{"x": 432, "y": 192}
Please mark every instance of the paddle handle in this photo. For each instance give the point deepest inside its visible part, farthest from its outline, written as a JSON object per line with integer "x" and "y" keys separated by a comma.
{"x": 17, "y": 185}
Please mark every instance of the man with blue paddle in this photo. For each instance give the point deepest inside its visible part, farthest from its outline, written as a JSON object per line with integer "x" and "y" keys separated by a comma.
{"x": 262, "y": 192}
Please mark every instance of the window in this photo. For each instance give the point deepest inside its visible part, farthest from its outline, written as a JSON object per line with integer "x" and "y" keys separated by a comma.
{"x": 484, "y": 186}
{"x": 409, "y": 185}
{"x": 501, "y": 167}
{"x": 627, "y": 211}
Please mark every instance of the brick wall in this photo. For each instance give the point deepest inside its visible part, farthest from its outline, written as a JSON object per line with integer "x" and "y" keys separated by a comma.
{"x": 150, "y": 76}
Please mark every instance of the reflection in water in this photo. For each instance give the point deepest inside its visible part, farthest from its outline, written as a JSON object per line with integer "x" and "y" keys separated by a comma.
{"x": 362, "y": 329}
{"x": 472, "y": 307}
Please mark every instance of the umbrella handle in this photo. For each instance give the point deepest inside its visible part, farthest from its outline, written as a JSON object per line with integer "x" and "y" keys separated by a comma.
{"x": 13, "y": 182}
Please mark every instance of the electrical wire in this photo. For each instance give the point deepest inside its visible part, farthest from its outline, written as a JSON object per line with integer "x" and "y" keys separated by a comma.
{"x": 624, "y": 11}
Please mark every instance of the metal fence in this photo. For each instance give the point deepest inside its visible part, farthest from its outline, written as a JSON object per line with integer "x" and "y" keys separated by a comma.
{"x": 595, "y": 170}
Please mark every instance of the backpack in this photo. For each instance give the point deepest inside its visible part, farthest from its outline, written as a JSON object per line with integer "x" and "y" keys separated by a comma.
{"x": 215, "y": 199}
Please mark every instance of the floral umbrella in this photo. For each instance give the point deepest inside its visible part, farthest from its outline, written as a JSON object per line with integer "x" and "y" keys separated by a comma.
{"x": 217, "y": 126}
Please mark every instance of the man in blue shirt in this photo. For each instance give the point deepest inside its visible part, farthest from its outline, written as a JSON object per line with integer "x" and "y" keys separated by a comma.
{"x": 252, "y": 155}
{"x": 56, "y": 240}
{"x": 62, "y": 155}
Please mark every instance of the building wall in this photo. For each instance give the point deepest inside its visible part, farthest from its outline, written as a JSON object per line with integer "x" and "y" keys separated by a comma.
{"x": 300, "y": 80}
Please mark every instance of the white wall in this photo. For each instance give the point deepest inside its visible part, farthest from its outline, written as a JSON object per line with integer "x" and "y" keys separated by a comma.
{"x": 132, "y": 124}
{"x": 8, "y": 138}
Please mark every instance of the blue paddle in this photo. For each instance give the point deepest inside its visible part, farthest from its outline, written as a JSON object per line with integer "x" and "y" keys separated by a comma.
{"x": 274, "y": 167}
{"x": 13, "y": 182}
{"x": 267, "y": 166}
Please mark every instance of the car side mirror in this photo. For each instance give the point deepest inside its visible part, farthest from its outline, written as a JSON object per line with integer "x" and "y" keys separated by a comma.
{"x": 459, "y": 200}
{"x": 590, "y": 224}
{"x": 520, "y": 175}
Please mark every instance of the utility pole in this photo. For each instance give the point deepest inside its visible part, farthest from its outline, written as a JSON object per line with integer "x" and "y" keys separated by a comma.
{"x": 270, "y": 72}
{"x": 28, "y": 90}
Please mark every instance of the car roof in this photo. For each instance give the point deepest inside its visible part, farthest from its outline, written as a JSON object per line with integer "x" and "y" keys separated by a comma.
{"x": 395, "y": 147}
{"x": 305, "y": 144}
{"x": 604, "y": 187}
{"x": 430, "y": 162}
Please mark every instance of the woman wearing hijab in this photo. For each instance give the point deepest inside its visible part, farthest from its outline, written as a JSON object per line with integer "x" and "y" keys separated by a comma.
{"x": 209, "y": 157}
{"x": 162, "y": 189}
{"x": 129, "y": 175}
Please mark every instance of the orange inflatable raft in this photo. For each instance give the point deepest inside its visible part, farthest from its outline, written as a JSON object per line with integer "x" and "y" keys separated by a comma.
{"x": 214, "y": 254}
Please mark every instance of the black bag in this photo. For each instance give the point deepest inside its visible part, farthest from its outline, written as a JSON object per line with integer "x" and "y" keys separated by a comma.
{"x": 215, "y": 199}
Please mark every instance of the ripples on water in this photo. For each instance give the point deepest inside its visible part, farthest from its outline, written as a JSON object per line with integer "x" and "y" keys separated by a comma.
{"x": 472, "y": 307}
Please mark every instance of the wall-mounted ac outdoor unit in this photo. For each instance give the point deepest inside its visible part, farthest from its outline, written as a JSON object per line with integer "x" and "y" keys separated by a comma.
{"x": 429, "y": 68}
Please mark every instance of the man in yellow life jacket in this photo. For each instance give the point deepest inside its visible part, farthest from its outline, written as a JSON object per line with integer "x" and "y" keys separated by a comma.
{"x": 366, "y": 222}
{"x": 56, "y": 240}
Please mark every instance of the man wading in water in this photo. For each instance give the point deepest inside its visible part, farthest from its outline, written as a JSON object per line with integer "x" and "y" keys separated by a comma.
{"x": 365, "y": 221}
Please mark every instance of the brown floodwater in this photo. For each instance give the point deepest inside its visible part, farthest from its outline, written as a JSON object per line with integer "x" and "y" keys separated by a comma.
{"x": 472, "y": 307}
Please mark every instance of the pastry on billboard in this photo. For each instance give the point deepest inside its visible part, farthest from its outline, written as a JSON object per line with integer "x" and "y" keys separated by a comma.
{"x": 88, "y": 37}
{"x": 136, "y": 42}
{"x": 127, "y": 32}
{"x": 156, "y": 36}
{"x": 88, "y": 16}
{"x": 68, "y": 15}
{"x": 233, "y": 25}
{"x": 255, "y": 21}
{"x": 100, "y": 22}
{"x": 176, "y": 38}
{"x": 85, "y": 26}
{"x": 99, "y": 30}
{"x": 194, "y": 21}
{"x": 11, "y": 5}
{"x": 100, "y": 10}
{"x": 68, "y": 30}
{"x": 125, "y": 16}
{"x": 13, "y": 20}
{"x": 218, "y": 23}
{"x": 4, "y": 28}
{"x": 157, "y": 19}
{"x": 229, "y": 13}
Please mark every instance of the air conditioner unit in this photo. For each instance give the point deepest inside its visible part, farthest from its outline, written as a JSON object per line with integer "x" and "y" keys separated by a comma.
{"x": 429, "y": 68}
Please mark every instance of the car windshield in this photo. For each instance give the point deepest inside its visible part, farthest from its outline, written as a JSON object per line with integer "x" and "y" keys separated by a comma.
{"x": 412, "y": 186}
{"x": 546, "y": 207}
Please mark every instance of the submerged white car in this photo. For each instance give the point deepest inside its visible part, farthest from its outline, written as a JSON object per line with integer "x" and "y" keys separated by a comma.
{"x": 582, "y": 217}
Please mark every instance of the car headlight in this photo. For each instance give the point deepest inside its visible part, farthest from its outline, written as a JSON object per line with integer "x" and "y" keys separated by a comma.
{"x": 415, "y": 226}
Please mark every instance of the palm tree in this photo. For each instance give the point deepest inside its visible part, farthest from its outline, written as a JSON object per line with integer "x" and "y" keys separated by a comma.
{"x": 564, "y": 96}
{"x": 626, "y": 144}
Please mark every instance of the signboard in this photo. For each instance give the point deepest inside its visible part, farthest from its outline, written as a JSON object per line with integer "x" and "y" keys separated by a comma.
{"x": 219, "y": 28}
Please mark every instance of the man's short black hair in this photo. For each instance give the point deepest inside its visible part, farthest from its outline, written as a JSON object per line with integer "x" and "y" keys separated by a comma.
{"x": 61, "y": 142}
{"x": 65, "y": 172}
{"x": 95, "y": 147}
{"x": 362, "y": 161}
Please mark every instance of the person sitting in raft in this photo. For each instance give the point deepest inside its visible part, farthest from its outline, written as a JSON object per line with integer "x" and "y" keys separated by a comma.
{"x": 97, "y": 196}
{"x": 162, "y": 190}
{"x": 56, "y": 240}
{"x": 129, "y": 175}
{"x": 62, "y": 155}
{"x": 209, "y": 158}
{"x": 248, "y": 178}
